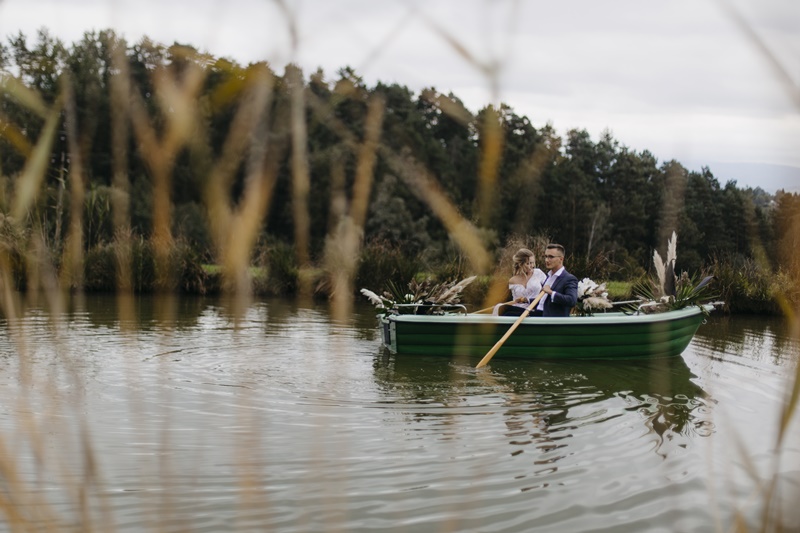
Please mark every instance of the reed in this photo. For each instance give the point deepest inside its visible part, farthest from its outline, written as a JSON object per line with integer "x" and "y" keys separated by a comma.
{"x": 169, "y": 116}
{"x": 747, "y": 287}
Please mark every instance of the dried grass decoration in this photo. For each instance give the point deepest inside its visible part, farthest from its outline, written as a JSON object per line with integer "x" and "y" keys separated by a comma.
{"x": 418, "y": 298}
{"x": 591, "y": 297}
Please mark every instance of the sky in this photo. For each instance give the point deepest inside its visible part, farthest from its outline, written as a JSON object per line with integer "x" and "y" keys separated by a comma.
{"x": 712, "y": 83}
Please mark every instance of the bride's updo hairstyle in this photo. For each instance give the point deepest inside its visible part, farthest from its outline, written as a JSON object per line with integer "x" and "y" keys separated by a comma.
{"x": 520, "y": 259}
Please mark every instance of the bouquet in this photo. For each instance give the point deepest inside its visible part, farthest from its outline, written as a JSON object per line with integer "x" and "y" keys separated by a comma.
{"x": 591, "y": 297}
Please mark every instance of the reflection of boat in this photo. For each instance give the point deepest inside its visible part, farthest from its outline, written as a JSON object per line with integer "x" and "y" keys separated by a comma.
{"x": 556, "y": 383}
{"x": 604, "y": 335}
{"x": 550, "y": 396}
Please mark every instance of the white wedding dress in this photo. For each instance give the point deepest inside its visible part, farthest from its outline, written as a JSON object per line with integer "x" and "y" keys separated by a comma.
{"x": 529, "y": 291}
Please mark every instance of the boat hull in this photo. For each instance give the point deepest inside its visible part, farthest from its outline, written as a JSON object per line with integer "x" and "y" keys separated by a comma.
{"x": 608, "y": 335}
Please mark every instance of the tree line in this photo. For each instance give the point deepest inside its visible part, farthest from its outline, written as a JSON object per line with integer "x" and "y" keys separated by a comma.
{"x": 610, "y": 206}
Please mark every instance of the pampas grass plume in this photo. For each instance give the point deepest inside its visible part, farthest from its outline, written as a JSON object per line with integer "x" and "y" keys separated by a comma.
{"x": 660, "y": 270}
{"x": 455, "y": 290}
{"x": 373, "y": 298}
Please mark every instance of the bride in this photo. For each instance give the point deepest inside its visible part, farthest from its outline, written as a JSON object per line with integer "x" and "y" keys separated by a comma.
{"x": 525, "y": 284}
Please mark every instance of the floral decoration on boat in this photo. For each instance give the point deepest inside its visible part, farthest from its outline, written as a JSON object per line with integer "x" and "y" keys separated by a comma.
{"x": 591, "y": 297}
{"x": 668, "y": 291}
{"x": 418, "y": 298}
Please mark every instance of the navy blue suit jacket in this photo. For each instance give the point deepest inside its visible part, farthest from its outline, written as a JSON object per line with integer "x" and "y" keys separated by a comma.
{"x": 566, "y": 296}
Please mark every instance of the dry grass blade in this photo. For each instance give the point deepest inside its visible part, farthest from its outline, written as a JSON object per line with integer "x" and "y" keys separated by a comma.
{"x": 452, "y": 108}
{"x": 236, "y": 232}
{"x": 259, "y": 184}
{"x": 792, "y": 90}
{"x": 177, "y": 93}
{"x": 673, "y": 200}
{"x": 491, "y": 156}
{"x": 425, "y": 186}
{"x": 343, "y": 244}
{"x": 301, "y": 180}
{"x": 10, "y": 503}
{"x": 492, "y": 131}
{"x": 72, "y": 273}
{"x": 366, "y": 161}
{"x": 120, "y": 88}
{"x": 492, "y": 149}
{"x": 488, "y": 69}
{"x": 26, "y": 97}
{"x": 790, "y": 408}
{"x": 781, "y": 73}
{"x": 120, "y": 97}
{"x": 530, "y": 172}
{"x": 15, "y": 136}
{"x": 36, "y": 165}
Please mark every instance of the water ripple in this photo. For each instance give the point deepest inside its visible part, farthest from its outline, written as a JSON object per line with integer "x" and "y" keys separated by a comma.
{"x": 278, "y": 419}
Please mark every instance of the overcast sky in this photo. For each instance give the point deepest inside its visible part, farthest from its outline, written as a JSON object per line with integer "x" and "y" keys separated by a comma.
{"x": 680, "y": 78}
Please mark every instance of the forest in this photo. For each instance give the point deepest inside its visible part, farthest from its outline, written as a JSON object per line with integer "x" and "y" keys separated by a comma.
{"x": 110, "y": 149}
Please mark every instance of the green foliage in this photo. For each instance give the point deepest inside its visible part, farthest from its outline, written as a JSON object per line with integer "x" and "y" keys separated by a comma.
{"x": 666, "y": 291}
{"x": 143, "y": 265}
{"x": 383, "y": 263}
{"x": 689, "y": 290}
{"x": 141, "y": 204}
{"x": 282, "y": 272}
{"x": 13, "y": 243}
{"x": 598, "y": 266}
{"x": 451, "y": 263}
{"x": 97, "y": 224}
{"x": 102, "y": 267}
{"x": 606, "y": 203}
{"x": 746, "y": 286}
{"x": 190, "y": 224}
{"x": 784, "y": 290}
{"x": 619, "y": 290}
{"x": 627, "y": 267}
{"x": 187, "y": 263}
{"x": 398, "y": 219}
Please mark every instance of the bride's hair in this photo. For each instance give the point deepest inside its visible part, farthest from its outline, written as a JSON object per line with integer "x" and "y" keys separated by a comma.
{"x": 520, "y": 258}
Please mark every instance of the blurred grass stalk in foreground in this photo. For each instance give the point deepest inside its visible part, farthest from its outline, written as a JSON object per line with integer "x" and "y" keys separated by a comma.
{"x": 177, "y": 125}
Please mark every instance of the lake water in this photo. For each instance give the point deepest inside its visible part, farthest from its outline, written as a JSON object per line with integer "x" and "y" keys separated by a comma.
{"x": 184, "y": 415}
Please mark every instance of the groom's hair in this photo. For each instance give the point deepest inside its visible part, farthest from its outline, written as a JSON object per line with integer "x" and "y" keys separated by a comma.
{"x": 557, "y": 247}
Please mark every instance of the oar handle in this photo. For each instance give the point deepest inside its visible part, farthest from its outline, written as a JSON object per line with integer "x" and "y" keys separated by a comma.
{"x": 498, "y": 344}
{"x": 488, "y": 309}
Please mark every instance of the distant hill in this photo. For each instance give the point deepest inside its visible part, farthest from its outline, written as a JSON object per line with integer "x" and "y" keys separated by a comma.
{"x": 771, "y": 178}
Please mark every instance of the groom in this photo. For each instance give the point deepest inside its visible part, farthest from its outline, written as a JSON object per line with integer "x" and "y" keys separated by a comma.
{"x": 561, "y": 287}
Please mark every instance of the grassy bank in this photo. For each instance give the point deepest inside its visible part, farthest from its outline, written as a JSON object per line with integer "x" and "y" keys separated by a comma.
{"x": 744, "y": 285}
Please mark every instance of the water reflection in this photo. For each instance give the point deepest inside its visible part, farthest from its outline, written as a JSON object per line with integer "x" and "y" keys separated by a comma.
{"x": 756, "y": 338}
{"x": 545, "y": 402}
{"x": 212, "y": 400}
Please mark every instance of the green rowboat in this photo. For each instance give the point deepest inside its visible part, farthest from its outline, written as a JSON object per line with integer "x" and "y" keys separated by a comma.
{"x": 605, "y": 335}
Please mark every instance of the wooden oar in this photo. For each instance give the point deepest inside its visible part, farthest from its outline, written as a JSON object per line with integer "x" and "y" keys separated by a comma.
{"x": 488, "y": 309}
{"x": 498, "y": 344}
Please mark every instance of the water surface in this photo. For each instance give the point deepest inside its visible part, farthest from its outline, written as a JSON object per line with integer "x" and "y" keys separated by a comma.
{"x": 189, "y": 416}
